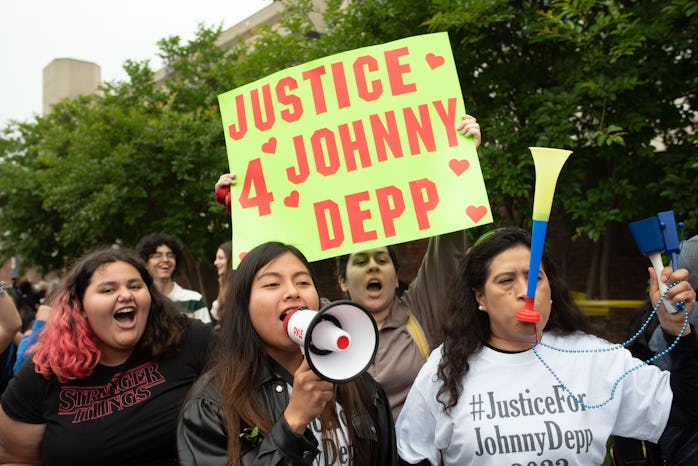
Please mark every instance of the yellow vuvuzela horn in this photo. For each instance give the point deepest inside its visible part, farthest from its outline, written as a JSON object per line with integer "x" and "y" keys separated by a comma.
{"x": 548, "y": 164}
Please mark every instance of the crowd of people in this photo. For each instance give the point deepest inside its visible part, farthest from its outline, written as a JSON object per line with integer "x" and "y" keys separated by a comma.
{"x": 125, "y": 366}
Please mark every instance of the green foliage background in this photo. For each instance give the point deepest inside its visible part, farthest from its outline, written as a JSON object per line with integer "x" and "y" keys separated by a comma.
{"x": 602, "y": 78}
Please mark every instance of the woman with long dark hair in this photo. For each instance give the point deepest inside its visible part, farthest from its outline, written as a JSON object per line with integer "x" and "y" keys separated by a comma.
{"x": 502, "y": 391}
{"x": 108, "y": 373}
{"x": 260, "y": 403}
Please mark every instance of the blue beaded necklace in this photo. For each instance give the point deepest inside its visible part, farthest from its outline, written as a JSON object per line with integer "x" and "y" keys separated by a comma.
{"x": 613, "y": 348}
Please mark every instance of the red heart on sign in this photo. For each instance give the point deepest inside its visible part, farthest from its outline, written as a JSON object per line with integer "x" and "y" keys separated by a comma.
{"x": 242, "y": 255}
{"x": 476, "y": 212}
{"x": 292, "y": 199}
{"x": 434, "y": 60}
{"x": 269, "y": 147}
{"x": 458, "y": 166}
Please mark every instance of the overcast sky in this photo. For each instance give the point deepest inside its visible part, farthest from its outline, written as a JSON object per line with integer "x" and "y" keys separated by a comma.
{"x": 34, "y": 32}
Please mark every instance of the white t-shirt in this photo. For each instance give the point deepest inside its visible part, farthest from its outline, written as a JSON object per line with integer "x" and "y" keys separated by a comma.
{"x": 513, "y": 411}
{"x": 191, "y": 302}
{"x": 329, "y": 456}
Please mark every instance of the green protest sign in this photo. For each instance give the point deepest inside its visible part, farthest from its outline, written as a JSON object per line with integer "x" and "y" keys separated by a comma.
{"x": 353, "y": 151}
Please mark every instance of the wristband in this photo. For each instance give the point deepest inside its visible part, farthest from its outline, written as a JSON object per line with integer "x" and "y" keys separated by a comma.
{"x": 3, "y": 287}
{"x": 222, "y": 194}
{"x": 223, "y": 197}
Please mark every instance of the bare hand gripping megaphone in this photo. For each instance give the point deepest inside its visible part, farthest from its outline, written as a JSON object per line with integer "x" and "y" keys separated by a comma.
{"x": 339, "y": 341}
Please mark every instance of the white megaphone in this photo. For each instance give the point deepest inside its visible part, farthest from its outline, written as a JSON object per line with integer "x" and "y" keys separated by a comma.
{"x": 339, "y": 341}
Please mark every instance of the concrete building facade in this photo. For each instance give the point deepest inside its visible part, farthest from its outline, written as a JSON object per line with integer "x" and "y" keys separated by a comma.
{"x": 69, "y": 78}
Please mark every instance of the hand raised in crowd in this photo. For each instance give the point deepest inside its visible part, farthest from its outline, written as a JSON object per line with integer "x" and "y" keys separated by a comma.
{"x": 222, "y": 189}
{"x": 470, "y": 127}
{"x": 672, "y": 323}
{"x": 226, "y": 179}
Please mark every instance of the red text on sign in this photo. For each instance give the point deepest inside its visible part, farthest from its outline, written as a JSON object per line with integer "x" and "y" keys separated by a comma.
{"x": 282, "y": 97}
{"x": 325, "y": 151}
{"x": 391, "y": 205}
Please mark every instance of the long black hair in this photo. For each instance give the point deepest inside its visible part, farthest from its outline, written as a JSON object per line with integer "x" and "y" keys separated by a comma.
{"x": 465, "y": 329}
{"x": 240, "y": 363}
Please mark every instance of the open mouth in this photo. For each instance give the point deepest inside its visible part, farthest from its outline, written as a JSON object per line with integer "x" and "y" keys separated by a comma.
{"x": 125, "y": 316}
{"x": 374, "y": 285}
{"x": 283, "y": 315}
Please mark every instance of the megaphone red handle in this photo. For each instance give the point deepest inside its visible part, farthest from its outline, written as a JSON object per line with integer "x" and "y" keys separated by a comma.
{"x": 296, "y": 332}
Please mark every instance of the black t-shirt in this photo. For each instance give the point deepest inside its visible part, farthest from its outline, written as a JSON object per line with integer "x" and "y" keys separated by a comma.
{"x": 118, "y": 415}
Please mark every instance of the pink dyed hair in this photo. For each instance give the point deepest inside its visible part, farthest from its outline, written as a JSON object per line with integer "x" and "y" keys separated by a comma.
{"x": 67, "y": 348}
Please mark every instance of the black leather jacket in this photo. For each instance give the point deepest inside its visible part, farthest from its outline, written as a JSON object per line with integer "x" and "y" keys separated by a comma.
{"x": 203, "y": 440}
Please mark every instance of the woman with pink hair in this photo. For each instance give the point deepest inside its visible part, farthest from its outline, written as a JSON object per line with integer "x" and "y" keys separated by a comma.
{"x": 108, "y": 373}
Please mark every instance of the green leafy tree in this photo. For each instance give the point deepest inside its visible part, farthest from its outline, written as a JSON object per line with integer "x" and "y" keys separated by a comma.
{"x": 614, "y": 81}
{"x": 111, "y": 167}
{"x": 590, "y": 76}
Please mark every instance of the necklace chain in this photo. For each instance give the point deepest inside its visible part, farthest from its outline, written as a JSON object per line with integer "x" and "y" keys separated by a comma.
{"x": 613, "y": 348}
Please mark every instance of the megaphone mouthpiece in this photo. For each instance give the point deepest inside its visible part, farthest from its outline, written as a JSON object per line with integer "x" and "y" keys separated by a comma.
{"x": 329, "y": 337}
